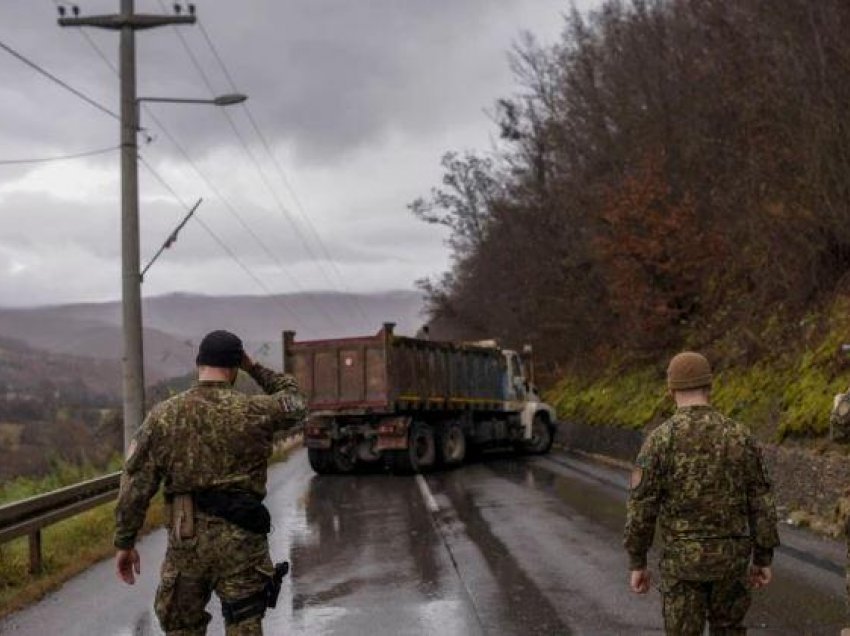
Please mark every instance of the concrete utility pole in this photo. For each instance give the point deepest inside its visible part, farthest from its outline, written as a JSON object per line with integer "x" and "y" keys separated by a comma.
{"x": 128, "y": 22}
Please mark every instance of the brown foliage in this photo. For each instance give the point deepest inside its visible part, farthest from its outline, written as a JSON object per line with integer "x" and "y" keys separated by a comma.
{"x": 656, "y": 258}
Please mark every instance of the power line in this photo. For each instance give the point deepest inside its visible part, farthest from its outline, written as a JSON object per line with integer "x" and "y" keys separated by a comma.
{"x": 205, "y": 78}
{"x": 77, "y": 155}
{"x": 245, "y": 147}
{"x": 228, "y": 206}
{"x": 217, "y": 239}
{"x": 55, "y": 79}
{"x": 263, "y": 140}
{"x": 232, "y": 210}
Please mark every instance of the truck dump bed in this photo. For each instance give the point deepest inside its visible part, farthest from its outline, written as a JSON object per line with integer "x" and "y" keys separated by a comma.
{"x": 386, "y": 373}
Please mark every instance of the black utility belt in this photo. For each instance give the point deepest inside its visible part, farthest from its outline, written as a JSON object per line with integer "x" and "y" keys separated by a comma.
{"x": 242, "y": 509}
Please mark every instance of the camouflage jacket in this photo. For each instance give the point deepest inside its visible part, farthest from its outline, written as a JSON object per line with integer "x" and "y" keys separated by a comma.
{"x": 701, "y": 475}
{"x": 211, "y": 436}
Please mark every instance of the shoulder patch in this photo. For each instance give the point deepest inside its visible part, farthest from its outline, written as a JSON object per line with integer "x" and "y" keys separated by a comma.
{"x": 636, "y": 477}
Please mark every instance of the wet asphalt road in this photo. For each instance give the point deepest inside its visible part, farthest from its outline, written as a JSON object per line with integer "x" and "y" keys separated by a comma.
{"x": 508, "y": 546}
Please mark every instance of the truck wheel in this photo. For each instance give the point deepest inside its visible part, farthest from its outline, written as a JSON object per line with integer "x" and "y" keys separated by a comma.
{"x": 344, "y": 457}
{"x": 541, "y": 436}
{"x": 420, "y": 453}
{"x": 321, "y": 461}
{"x": 452, "y": 446}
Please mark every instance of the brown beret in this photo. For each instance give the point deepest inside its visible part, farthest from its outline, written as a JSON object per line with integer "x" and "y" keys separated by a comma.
{"x": 688, "y": 370}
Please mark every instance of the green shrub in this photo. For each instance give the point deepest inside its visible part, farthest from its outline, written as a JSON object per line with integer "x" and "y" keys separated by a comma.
{"x": 62, "y": 474}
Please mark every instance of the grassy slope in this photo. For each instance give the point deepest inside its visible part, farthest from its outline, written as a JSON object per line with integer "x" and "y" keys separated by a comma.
{"x": 788, "y": 393}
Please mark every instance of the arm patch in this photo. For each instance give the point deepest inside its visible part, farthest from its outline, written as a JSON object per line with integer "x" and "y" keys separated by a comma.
{"x": 636, "y": 477}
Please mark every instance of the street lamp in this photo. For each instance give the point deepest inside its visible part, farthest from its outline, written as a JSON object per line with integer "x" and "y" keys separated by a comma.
{"x": 134, "y": 366}
{"x": 228, "y": 99}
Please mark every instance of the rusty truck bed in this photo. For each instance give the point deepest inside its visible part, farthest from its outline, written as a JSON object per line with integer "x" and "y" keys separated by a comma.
{"x": 386, "y": 373}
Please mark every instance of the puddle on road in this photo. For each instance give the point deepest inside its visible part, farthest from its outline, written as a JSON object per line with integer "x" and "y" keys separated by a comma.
{"x": 599, "y": 503}
{"x": 369, "y": 560}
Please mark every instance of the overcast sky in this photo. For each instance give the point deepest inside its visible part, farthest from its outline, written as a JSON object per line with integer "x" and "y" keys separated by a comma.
{"x": 357, "y": 101}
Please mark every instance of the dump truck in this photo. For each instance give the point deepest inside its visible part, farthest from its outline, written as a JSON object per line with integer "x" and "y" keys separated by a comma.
{"x": 413, "y": 404}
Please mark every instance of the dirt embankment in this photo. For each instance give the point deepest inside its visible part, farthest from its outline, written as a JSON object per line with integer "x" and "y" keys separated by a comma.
{"x": 811, "y": 487}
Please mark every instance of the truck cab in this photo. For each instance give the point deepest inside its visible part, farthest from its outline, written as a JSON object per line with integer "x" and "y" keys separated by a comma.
{"x": 522, "y": 396}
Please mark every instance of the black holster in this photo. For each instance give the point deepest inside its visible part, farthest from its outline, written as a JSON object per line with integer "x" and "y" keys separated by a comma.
{"x": 274, "y": 584}
{"x": 257, "y": 603}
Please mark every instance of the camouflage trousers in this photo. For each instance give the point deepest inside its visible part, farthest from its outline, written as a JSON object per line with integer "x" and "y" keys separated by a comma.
{"x": 688, "y": 605}
{"x": 220, "y": 558}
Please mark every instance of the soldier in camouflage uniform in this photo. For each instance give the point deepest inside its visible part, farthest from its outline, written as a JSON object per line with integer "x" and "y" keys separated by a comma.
{"x": 701, "y": 475}
{"x": 209, "y": 446}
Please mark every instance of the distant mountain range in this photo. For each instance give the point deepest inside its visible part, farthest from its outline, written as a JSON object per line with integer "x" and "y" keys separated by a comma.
{"x": 174, "y": 324}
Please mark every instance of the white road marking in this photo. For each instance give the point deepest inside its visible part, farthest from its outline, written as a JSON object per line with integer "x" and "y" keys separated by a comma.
{"x": 430, "y": 502}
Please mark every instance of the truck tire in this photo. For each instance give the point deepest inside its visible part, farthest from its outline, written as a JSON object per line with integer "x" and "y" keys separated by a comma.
{"x": 451, "y": 447}
{"x": 332, "y": 460}
{"x": 541, "y": 436}
{"x": 321, "y": 461}
{"x": 344, "y": 457}
{"x": 420, "y": 453}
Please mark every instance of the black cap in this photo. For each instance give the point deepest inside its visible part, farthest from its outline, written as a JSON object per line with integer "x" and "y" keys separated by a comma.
{"x": 220, "y": 349}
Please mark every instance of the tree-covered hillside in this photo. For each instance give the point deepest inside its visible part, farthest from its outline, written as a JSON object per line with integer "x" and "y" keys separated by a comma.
{"x": 671, "y": 173}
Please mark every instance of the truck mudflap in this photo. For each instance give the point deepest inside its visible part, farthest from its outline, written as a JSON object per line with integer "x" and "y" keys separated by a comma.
{"x": 317, "y": 434}
{"x": 392, "y": 433}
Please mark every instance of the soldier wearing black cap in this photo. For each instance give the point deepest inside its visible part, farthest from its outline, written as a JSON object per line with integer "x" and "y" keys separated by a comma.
{"x": 209, "y": 447}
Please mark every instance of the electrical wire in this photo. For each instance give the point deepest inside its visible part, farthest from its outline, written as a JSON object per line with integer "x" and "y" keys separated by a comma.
{"x": 232, "y": 210}
{"x": 267, "y": 147}
{"x": 217, "y": 239}
{"x": 281, "y": 173}
{"x": 228, "y": 206}
{"x": 77, "y": 155}
{"x": 58, "y": 81}
{"x": 252, "y": 157}
{"x": 250, "y": 154}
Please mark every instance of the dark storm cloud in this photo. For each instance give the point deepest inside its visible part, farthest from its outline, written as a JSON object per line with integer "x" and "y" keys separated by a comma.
{"x": 358, "y": 100}
{"x": 327, "y": 75}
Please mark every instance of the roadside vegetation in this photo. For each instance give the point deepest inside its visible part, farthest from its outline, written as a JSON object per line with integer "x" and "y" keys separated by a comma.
{"x": 71, "y": 546}
{"x": 785, "y": 394}
{"x": 669, "y": 174}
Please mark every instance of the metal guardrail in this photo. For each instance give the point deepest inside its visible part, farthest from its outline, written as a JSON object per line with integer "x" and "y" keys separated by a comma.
{"x": 29, "y": 516}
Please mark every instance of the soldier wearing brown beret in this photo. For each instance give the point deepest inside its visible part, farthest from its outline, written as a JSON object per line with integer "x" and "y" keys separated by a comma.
{"x": 701, "y": 476}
